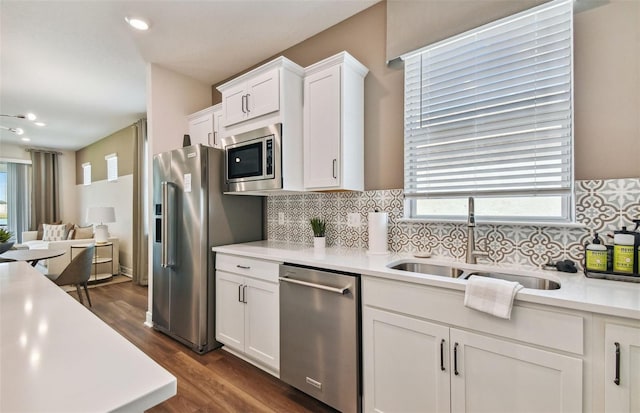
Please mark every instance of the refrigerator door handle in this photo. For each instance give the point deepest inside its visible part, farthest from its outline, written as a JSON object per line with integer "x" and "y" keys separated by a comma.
{"x": 167, "y": 255}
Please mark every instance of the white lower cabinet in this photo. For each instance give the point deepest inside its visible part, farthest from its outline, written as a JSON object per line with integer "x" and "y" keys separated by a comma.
{"x": 247, "y": 317}
{"x": 415, "y": 363}
{"x": 622, "y": 369}
{"x": 492, "y": 375}
{"x": 402, "y": 363}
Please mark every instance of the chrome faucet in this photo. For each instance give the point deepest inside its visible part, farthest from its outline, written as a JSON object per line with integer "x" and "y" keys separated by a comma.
{"x": 472, "y": 253}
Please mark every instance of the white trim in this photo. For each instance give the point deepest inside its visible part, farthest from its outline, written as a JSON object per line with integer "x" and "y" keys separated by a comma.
{"x": 15, "y": 160}
{"x": 86, "y": 173}
{"x": 481, "y": 222}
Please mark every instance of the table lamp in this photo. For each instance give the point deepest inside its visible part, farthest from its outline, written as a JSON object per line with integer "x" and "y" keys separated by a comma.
{"x": 101, "y": 215}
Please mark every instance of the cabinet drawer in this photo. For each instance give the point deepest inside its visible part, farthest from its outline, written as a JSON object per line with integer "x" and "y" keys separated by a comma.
{"x": 251, "y": 267}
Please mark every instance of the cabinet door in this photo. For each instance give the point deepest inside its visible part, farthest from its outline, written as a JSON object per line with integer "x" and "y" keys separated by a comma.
{"x": 403, "y": 369}
{"x": 201, "y": 129}
{"x": 623, "y": 396}
{"x": 233, "y": 103}
{"x": 263, "y": 94}
{"x": 218, "y": 129}
{"x": 322, "y": 129}
{"x": 229, "y": 310}
{"x": 262, "y": 322}
{"x": 499, "y": 376}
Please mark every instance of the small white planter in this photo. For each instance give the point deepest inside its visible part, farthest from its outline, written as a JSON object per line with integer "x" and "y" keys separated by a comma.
{"x": 319, "y": 243}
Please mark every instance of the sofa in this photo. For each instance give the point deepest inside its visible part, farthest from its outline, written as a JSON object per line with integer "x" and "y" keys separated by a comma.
{"x": 54, "y": 266}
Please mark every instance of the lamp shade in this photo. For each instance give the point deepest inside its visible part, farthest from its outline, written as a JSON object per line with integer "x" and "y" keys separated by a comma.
{"x": 101, "y": 215}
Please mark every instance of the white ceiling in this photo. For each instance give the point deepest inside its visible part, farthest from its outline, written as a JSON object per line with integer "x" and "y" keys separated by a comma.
{"x": 80, "y": 68}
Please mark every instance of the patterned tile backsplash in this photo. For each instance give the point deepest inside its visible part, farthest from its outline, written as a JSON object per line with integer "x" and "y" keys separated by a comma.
{"x": 601, "y": 205}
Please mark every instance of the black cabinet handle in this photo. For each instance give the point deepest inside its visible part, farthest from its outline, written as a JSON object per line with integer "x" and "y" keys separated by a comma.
{"x": 617, "y": 379}
{"x": 442, "y": 355}
{"x": 247, "y": 102}
{"x": 242, "y": 103}
{"x": 455, "y": 359}
{"x": 240, "y": 292}
{"x": 244, "y": 293}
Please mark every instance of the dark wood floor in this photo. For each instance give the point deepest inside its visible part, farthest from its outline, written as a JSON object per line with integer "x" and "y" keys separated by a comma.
{"x": 213, "y": 382}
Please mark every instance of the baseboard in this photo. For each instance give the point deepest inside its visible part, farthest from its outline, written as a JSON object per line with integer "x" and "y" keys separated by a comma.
{"x": 149, "y": 321}
{"x": 126, "y": 271}
{"x": 251, "y": 361}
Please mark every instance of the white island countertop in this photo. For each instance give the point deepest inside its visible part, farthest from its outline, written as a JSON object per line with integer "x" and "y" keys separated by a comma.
{"x": 57, "y": 356}
{"x": 615, "y": 298}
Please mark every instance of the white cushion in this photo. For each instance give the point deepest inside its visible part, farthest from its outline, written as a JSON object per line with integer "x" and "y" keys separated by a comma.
{"x": 54, "y": 232}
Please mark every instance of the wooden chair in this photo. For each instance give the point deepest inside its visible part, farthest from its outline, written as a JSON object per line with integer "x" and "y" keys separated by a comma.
{"x": 78, "y": 272}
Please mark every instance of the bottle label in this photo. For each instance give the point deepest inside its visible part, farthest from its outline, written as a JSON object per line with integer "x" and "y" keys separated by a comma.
{"x": 623, "y": 259}
{"x": 596, "y": 260}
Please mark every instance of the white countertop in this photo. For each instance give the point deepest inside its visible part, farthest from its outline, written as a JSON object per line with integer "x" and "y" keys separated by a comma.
{"x": 57, "y": 356}
{"x": 615, "y": 298}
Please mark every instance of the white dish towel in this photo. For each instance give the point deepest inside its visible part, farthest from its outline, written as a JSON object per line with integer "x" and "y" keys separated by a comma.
{"x": 491, "y": 295}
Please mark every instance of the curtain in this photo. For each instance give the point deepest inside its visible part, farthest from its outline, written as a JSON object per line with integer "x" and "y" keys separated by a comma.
{"x": 45, "y": 205}
{"x": 18, "y": 198}
{"x": 140, "y": 227}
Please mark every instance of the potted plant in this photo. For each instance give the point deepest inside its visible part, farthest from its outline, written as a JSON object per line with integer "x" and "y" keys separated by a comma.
{"x": 5, "y": 236}
{"x": 319, "y": 227}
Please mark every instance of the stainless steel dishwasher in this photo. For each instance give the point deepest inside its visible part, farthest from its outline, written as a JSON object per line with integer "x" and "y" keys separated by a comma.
{"x": 320, "y": 335}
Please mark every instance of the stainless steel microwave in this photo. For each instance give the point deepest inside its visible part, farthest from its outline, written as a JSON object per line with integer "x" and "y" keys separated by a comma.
{"x": 253, "y": 160}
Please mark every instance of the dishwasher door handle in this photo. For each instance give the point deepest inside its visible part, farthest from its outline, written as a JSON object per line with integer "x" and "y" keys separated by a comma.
{"x": 318, "y": 286}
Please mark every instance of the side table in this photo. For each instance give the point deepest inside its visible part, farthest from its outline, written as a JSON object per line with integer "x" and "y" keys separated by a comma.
{"x": 99, "y": 259}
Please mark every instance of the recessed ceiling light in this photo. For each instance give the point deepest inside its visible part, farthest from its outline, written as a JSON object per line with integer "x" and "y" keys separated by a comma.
{"x": 39, "y": 123}
{"x": 137, "y": 23}
{"x": 30, "y": 116}
{"x": 18, "y": 131}
{"x": 25, "y": 139}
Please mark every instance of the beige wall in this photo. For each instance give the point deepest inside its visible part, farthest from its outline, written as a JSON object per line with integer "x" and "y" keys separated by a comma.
{"x": 170, "y": 98}
{"x": 607, "y": 88}
{"x": 121, "y": 143}
{"x": 11, "y": 152}
{"x": 607, "y": 91}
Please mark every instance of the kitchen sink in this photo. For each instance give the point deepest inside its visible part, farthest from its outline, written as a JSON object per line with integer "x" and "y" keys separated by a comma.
{"x": 526, "y": 281}
{"x": 431, "y": 269}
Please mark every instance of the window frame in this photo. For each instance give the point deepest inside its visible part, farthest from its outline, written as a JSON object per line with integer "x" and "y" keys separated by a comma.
{"x": 567, "y": 213}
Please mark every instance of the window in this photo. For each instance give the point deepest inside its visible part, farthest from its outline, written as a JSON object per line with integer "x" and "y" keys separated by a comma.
{"x": 489, "y": 114}
{"x": 15, "y": 197}
{"x": 112, "y": 167}
{"x": 86, "y": 173}
{"x": 3, "y": 194}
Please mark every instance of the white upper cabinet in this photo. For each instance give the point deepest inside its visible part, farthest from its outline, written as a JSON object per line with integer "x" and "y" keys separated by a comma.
{"x": 218, "y": 128}
{"x": 333, "y": 120}
{"x": 255, "y": 97}
{"x": 203, "y": 126}
{"x": 259, "y": 92}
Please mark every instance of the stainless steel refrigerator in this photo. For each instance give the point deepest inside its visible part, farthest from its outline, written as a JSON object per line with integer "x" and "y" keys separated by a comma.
{"x": 191, "y": 216}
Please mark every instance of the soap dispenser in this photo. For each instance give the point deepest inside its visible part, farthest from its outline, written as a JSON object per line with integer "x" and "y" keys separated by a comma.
{"x": 623, "y": 251}
{"x": 596, "y": 255}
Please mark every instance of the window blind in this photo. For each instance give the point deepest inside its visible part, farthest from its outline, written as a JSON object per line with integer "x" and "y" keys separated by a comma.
{"x": 489, "y": 112}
